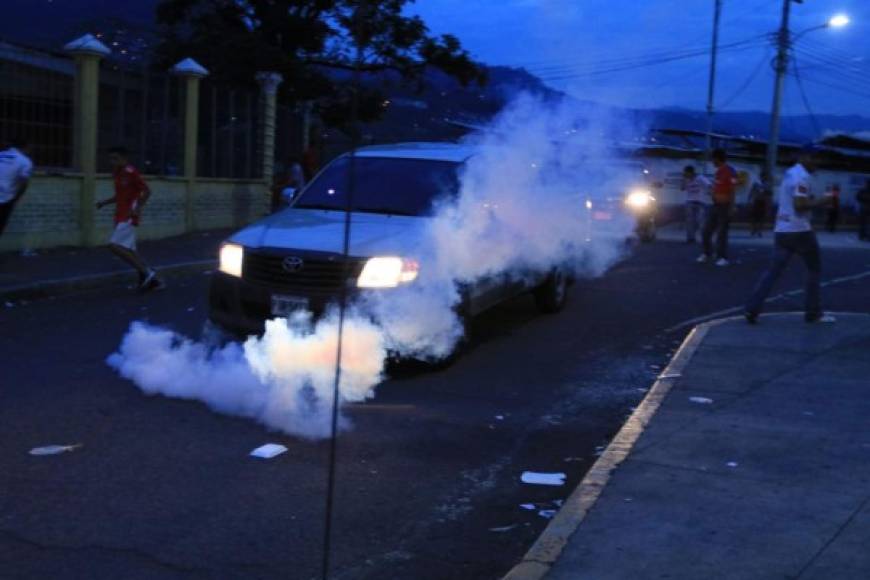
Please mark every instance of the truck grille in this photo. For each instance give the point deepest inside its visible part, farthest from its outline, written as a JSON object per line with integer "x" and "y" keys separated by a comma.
{"x": 319, "y": 275}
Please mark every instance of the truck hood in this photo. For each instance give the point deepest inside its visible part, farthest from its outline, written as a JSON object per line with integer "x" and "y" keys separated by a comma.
{"x": 323, "y": 231}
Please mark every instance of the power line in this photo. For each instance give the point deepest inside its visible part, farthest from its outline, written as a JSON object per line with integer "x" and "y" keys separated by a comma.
{"x": 642, "y": 63}
{"x": 667, "y": 55}
{"x": 797, "y": 76}
{"x": 749, "y": 80}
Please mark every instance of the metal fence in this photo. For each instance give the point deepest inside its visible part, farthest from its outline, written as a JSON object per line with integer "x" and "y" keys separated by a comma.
{"x": 36, "y": 102}
{"x": 144, "y": 113}
{"x": 229, "y": 131}
{"x": 138, "y": 109}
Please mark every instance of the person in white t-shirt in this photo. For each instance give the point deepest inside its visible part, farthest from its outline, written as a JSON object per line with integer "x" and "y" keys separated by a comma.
{"x": 15, "y": 170}
{"x": 697, "y": 189}
{"x": 793, "y": 234}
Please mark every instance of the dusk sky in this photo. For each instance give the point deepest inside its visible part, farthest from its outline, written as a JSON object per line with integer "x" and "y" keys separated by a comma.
{"x": 564, "y": 40}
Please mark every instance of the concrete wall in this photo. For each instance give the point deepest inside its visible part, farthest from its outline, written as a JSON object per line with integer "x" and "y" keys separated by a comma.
{"x": 49, "y": 213}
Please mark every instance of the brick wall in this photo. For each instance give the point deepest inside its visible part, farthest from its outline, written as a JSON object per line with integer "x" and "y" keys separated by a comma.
{"x": 49, "y": 213}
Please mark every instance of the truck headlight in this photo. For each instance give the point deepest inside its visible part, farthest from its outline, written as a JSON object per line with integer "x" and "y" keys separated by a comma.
{"x": 231, "y": 256}
{"x": 639, "y": 199}
{"x": 387, "y": 272}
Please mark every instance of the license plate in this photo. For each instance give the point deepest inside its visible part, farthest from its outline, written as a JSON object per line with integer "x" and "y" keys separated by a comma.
{"x": 602, "y": 215}
{"x": 286, "y": 305}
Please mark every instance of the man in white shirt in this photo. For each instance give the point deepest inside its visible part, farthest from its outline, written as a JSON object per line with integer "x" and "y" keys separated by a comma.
{"x": 793, "y": 234}
{"x": 15, "y": 170}
{"x": 697, "y": 189}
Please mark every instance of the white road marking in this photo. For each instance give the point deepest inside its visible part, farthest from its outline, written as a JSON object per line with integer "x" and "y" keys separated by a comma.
{"x": 738, "y": 309}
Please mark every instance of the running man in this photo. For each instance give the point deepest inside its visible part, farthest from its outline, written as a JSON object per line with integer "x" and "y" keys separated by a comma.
{"x": 131, "y": 195}
{"x": 793, "y": 234}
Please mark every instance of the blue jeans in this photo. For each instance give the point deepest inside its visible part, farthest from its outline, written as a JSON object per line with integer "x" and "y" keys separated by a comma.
{"x": 695, "y": 212}
{"x": 805, "y": 245}
{"x": 718, "y": 220}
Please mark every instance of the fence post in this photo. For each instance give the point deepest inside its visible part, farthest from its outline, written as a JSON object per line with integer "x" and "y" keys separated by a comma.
{"x": 191, "y": 71}
{"x": 269, "y": 82}
{"x": 87, "y": 51}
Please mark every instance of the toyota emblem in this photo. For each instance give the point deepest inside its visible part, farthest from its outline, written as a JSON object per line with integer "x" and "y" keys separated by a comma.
{"x": 292, "y": 264}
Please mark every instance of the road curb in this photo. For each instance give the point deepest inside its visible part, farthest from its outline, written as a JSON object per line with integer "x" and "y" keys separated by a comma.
{"x": 537, "y": 562}
{"x": 62, "y": 286}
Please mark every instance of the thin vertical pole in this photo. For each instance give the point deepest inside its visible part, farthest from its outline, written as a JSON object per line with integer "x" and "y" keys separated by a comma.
{"x": 711, "y": 87}
{"x": 783, "y": 43}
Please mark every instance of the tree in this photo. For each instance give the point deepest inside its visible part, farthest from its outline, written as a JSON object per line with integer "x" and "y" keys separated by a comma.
{"x": 317, "y": 45}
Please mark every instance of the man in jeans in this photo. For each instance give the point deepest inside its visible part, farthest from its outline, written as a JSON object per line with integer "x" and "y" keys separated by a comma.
{"x": 719, "y": 217}
{"x": 697, "y": 188}
{"x": 793, "y": 234}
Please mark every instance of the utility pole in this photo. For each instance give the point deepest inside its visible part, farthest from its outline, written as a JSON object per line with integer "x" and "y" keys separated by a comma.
{"x": 783, "y": 46}
{"x": 711, "y": 88}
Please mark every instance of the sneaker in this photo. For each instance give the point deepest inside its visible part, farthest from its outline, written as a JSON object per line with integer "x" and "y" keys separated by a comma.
{"x": 722, "y": 262}
{"x": 703, "y": 259}
{"x": 152, "y": 282}
{"x": 821, "y": 319}
{"x": 156, "y": 284}
{"x": 146, "y": 279}
{"x": 750, "y": 317}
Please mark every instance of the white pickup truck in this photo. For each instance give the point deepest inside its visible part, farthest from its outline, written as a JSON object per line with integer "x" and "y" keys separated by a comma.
{"x": 294, "y": 259}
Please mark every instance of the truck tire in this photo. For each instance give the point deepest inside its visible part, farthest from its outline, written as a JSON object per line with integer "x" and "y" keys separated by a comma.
{"x": 550, "y": 297}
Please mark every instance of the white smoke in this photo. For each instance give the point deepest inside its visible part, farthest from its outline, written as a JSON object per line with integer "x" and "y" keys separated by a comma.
{"x": 520, "y": 212}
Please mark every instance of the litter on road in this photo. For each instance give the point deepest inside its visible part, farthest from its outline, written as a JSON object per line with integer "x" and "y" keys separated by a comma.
{"x": 54, "y": 449}
{"x": 268, "y": 451}
{"x": 536, "y": 478}
{"x": 701, "y": 400}
{"x": 527, "y": 506}
{"x": 731, "y": 464}
{"x": 503, "y": 529}
{"x": 547, "y": 514}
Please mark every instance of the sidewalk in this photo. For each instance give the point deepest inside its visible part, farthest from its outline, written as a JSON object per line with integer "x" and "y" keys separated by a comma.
{"x": 765, "y": 474}
{"x": 63, "y": 270}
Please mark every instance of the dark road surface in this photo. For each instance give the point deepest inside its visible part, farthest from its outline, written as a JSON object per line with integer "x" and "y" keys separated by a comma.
{"x": 428, "y": 478}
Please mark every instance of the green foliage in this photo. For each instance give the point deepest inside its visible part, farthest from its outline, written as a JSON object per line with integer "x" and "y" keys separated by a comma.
{"x": 317, "y": 45}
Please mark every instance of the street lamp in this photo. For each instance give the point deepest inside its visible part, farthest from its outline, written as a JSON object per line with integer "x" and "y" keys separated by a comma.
{"x": 784, "y": 42}
{"x": 838, "y": 21}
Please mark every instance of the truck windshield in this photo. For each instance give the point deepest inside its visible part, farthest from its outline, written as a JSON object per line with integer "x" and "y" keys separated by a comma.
{"x": 384, "y": 185}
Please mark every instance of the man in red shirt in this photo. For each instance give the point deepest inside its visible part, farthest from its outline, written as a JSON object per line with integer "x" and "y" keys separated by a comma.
{"x": 719, "y": 217}
{"x": 131, "y": 195}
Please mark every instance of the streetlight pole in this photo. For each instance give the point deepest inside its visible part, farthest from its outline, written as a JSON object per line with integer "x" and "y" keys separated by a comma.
{"x": 711, "y": 87}
{"x": 783, "y": 44}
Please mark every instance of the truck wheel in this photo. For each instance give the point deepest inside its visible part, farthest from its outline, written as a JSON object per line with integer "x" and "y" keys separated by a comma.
{"x": 550, "y": 296}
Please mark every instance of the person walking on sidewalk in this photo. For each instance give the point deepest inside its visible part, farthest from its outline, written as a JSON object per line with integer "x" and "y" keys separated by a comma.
{"x": 697, "y": 188}
{"x": 863, "y": 199}
{"x": 131, "y": 195}
{"x": 15, "y": 170}
{"x": 833, "y": 207}
{"x": 793, "y": 234}
{"x": 719, "y": 217}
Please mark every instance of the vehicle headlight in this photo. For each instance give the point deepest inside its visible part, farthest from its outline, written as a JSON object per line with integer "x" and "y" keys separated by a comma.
{"x": 588, "y": 204}
{"x": 387, "y": 272}
{"x": 231, "y": 256}
{"x": 639, "y": 199}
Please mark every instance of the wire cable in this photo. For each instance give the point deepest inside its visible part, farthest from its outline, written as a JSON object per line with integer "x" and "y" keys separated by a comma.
{"x": 644, "y": 63}
{"x": 800, "y": 84}
{"x": 749, "y": 80}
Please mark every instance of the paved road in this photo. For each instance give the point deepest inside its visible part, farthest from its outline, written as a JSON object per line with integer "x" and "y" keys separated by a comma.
{"x": 428, "y": 478}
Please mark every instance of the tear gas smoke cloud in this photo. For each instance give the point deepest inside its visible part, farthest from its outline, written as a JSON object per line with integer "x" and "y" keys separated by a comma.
{"x": 520, "y": 209}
